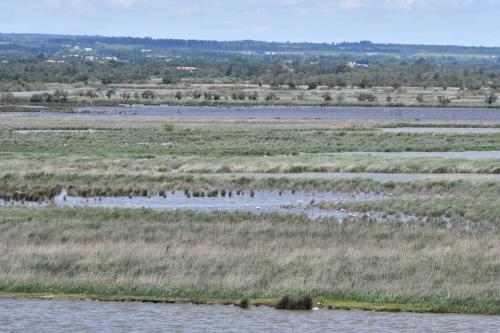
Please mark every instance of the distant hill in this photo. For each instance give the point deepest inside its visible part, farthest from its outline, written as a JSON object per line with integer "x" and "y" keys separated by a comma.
{"x": 52, "y": 42}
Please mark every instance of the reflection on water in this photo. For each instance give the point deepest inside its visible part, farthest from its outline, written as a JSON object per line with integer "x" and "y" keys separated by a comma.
{"x": 244, "y": 201}
{"x": 26, "y": 315}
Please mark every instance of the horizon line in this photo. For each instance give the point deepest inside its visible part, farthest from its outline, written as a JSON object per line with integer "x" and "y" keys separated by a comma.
{"x": 249, "y": 39}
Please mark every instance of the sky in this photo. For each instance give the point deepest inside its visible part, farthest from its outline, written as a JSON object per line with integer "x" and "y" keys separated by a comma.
{"x": 458, "y": 22}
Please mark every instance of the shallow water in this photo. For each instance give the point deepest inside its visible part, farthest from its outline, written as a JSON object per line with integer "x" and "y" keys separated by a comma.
{"x": 35, "y": 131}
{"x": 269, "y": 112}
{"x": 260, "y": 201}
{"x": 447, "y": 154}
{"x": 465, "y": 130}
{"x": 340, "y": 113}
{"x": 29, "y": 315}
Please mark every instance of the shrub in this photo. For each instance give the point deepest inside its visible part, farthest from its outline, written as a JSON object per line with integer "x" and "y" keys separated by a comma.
{"x": 327, "y": 97}
{"x": 244, "y": 303}
{"x": 295, "y": 303}
{"x": 238, "y": 95}
{"x": 168, "y": 127}
{"x": 253, "y": 96}
{"x": 420, "y": 98}
{"x": 170, "y": 79}
{"x": 125, "y": 95}
{"x": 7, "y": 98}
{"x": 272, "y": 97}
{"x": 363, "y": 97}
{"x": 443, "y": 100}
{"x": 148, "y": 94}
{"x": 312, "y": 85}
{"x": 491, "y": 99}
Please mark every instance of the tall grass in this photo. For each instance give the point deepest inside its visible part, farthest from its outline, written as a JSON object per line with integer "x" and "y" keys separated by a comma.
{"x": 141, "y": 252}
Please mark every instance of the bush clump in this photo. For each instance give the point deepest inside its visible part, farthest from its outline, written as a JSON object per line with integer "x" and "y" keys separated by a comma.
{"x": 295, "y": 303}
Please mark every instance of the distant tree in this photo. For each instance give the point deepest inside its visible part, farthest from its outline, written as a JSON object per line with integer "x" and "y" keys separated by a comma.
{"x": 91, "y": 94}
{"x": 60, "y": 96}
{"x": 388, "y": 98}
{"x": 125, "y": 95}
{"x": 110, "y": 93}
{"x": 443, "y": 100}
{"x": 420, "y": 98}
{"x": 178, "y": 95}
{"x": 253, "y": 96}
{"x": 170, "y": 79}
{"x": 491, "y": 99}
{"x": 312, "y": 85}
{"x": 327, "y": 97}
{"x": 272, "y": 97}
{"x": 148, "y": 94}
{"x": 363, "y": 97}
{"x": 364, "y": 84}
{"x": 238, "y": 95}
{"x": 36, "y": 98}
{"x": 106, "y": 80}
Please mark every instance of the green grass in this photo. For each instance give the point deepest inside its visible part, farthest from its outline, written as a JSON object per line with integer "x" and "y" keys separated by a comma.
{"x": 229, "y": 256}
{"x": 225, "y": 142}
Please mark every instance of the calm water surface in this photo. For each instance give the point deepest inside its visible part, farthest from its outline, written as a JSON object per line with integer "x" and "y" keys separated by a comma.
{"x": 269, "y": 112}
{"x": 258, "y": 201}
{"x": 455, "y": 130}
{"x": 26, "y": 315}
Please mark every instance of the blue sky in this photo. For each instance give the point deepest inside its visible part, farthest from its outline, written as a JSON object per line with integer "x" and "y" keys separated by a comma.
{"x": 463, "y": 22}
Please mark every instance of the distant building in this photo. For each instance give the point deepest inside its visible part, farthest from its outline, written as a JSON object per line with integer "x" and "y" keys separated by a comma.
{"x": 88, "y": 49}
{"x": 353, "y": 64}
{"x": 187, "y": 69}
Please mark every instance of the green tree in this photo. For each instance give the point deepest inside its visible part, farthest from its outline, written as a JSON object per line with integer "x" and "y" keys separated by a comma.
{"x": 110, "y": 93}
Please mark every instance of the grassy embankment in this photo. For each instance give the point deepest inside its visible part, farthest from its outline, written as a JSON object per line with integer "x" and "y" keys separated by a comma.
{"x": 158, "y": 151}
{"x": 120, "y": 162}
{"x": 122, "y": 254}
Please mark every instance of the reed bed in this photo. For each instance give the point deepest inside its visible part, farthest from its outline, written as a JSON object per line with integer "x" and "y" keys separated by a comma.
{"x": 236, "y": 255}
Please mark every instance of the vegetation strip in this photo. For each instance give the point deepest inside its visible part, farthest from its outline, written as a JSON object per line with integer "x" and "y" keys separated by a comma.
{"x": 318, "y": 302}
{"x": 231, "y": 256}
